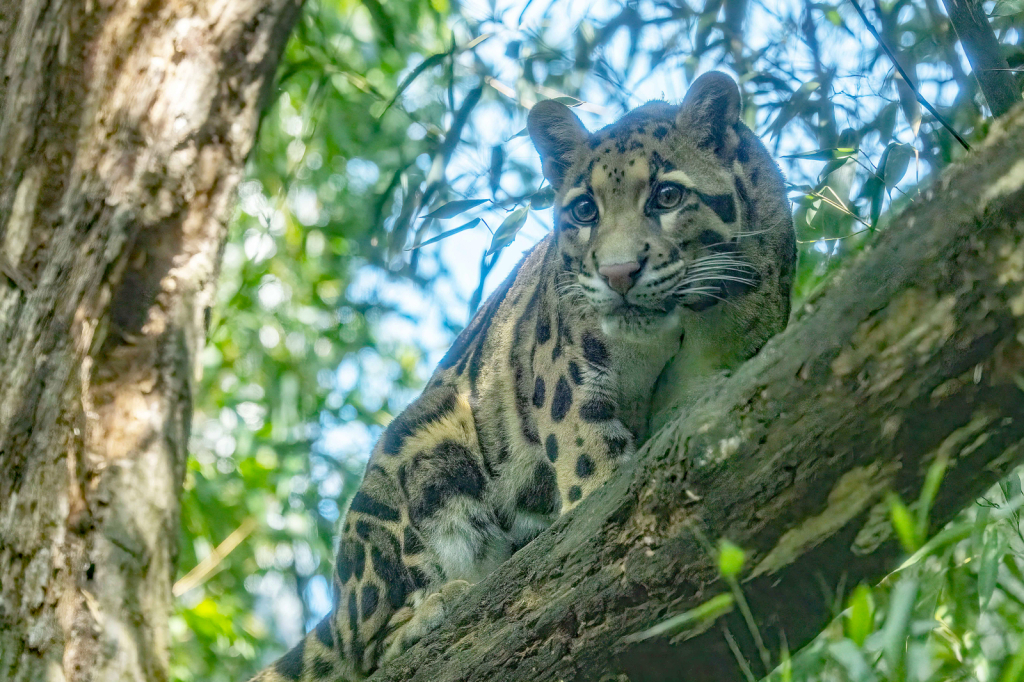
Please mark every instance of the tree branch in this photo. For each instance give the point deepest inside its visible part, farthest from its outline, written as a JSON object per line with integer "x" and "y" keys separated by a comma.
{"x": 912, "y": 353}
{"x": 982, "y": 48}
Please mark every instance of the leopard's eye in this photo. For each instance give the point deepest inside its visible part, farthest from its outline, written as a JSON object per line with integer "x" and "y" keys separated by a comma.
{"x": 668, "y": 195}
{"x": 583, "y": 210}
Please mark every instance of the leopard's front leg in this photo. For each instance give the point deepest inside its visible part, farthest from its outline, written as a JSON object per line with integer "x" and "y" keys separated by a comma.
{"x": 577, "y": 414}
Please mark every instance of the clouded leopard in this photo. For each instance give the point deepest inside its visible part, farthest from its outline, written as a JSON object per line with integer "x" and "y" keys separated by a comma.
{"x": 672, "y": 256}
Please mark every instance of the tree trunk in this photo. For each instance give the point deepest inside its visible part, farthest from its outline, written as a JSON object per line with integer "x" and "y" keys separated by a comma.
{"x": 915, "y": 353}
{"x": 124, "y": 127}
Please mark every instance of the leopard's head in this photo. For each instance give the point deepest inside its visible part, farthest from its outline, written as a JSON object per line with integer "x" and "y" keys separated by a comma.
{"x": 648, "y": 212}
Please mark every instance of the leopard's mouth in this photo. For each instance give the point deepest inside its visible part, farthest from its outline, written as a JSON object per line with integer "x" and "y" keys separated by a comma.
{"x": 623, "y": 318}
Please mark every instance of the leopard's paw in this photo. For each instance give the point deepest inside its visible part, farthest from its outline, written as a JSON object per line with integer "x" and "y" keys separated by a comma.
{"x": 426, "y": 617}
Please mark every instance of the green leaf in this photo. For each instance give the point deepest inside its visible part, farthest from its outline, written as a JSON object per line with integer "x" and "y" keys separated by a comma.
{"x": 885, "y": 124}
{"x": 932, "y": 481}
{"x": 567, "y": 101}
{"x": 903, "y": 523}
{"x": 824, "y": 154}
{"x": 851, "y": 658}
{"x": 476, "y": 41}
{"x": 730, "y": 559}
{"x": 1014, "y": 668}
{"x": 831, "y": 167}
{"x": 860, "y": 616}
{"x": 444, "y": 235}
{"x": 897, "y": 160}
{"x": 988, "y": 568}
{"x": 542, "y": 198}
{"x": 454, "y": 208}
{"x": 509, "y": 228}
{"x": 713, "y": 608}
{"x": 897, "y": 620}
{"x": 429, "y": 62}
{"x": 1007, "y": 8}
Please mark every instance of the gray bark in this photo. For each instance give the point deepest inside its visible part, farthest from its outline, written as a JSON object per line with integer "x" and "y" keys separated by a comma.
{"x": 124, "y": 127}
{"x": 915, "y": 352}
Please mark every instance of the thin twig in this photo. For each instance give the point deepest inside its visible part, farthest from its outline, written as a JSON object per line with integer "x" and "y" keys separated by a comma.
{"x": 740, "y": 660}
{"x": 205, "y": 568}
{"x": 906, "y": 77}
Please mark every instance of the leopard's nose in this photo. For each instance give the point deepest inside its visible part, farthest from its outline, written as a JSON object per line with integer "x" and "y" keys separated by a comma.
{"x": 620, "y": 276}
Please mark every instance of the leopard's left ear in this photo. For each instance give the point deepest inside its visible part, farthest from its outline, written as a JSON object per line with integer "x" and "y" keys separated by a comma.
{"x": 556, "y": 133}
{"x": 711, "y": 111}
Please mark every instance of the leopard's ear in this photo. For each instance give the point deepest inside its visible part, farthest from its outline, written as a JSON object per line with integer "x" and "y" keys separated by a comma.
{"x": 556, "y": 133}
{"x": 710, "y": 112}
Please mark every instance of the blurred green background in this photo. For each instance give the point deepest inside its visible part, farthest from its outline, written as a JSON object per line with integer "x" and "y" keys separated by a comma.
{"x": 334, "y": 307}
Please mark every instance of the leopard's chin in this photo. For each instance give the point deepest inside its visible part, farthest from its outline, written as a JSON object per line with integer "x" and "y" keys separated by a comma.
{"x": 638, "y": 323}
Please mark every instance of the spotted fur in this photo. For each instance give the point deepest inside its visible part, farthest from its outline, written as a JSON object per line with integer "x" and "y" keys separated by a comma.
{"x": 550, "y": 386}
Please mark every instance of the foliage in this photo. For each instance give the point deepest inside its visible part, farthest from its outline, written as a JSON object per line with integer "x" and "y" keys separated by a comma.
{"x": 394, "y": 183}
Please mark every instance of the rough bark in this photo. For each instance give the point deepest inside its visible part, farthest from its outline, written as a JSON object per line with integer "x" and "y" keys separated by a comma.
{"x": 985, "y": 54}
{"x": 915, "y": 352}
{"x": 124, "y": 127}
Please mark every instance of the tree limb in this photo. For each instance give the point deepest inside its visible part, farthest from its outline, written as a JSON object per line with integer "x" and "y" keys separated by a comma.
{"x": 915, "y": 352}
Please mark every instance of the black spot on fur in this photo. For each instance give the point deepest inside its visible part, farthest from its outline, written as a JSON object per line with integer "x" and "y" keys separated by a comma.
{"x": 543, "y": 327}
{"x": 575, "y": 493}
{"x": 540, "y": 495}
{"x": 710, "y": 238}
{"x": 290, "y": 665}
{"x": 363, "y": 529}
{"x": 538, "y": 392}
{"x": 551, "y": 447}
{"x": 616, "y": 445}
{"x": 594, "y": 350}
{"x": 419, "y": 578}
{"x": 722, "y": 204}
{"x": 351, "y": 559}
{"x": 574, "y": 373}
{"x": 324, "y": 634}
{"x": 450, "y": 470}
{"x": 521, "y": 388}
{"x": 743, "y": 151}
{"x": 597, "y": 410}
{"x": 364, "y": 504}
{"x": 353, "y": 617}
{"x": 567, "y": 261}
{"x": 392, "y": 574}
{"x": 660, "y": 132}
{"x": 562, "y": 400}
{"x": 429, "y": 408}
{"x": 579, "y": 442}
{"x": 411, "y": 542}
{"x": 584, "y": 466}
{"x": 323, "y": 669}
{"x": 368, "y": 600}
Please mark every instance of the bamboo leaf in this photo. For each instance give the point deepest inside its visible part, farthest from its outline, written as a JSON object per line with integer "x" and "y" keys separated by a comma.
{"x": 509, "y": 228}
{"x": 444, "y": 235}
{"x": 454, "y": 208}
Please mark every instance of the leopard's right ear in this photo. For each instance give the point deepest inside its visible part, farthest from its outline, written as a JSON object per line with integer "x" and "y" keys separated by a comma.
{"x": 556, "y": 133}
